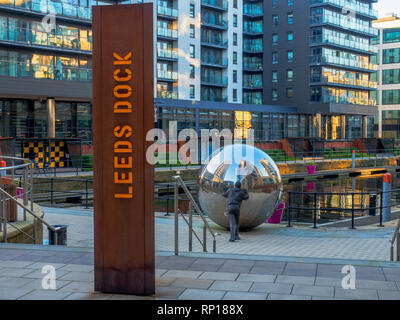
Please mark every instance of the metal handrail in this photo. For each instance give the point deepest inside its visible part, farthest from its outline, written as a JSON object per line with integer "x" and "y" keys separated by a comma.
{"x": 178, "y": 180}
{"x": 396, "y": 235}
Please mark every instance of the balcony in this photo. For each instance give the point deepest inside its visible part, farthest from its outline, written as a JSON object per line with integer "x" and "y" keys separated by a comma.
{"x": 219, "y": 63}
{"x": 31, "y": 69}
{"x": 341, "y": 42}
{"x": 357, "y": 7}
{"x": 253, "y": 30}
{"x": 347, "y": 82}
{"x": 167, "y": 33}
{"x": 253, "y": 48}
{"x": 211, "y": 23}
{"x": 252, "y": 84}
{"x": 41, "y": 39}
{"x": 252, "y": 11}
{"x": 167, "y": 54}
{"x": 212, "y": 81}
{"x": 214, "y": 99}
{"x": 253, "y": 67}
{"x": 167, "y": 94}
{"x": 328, "y": 98}
{"x": 221, "y": 5}
{"x": 343, "y": 22}
{"x": 338, "y": 61}
{"x": 167, "y": 12}
{"x": 42, "y": 7}
{"x": 215, "y": 43}
{"x": 167, "y": 75}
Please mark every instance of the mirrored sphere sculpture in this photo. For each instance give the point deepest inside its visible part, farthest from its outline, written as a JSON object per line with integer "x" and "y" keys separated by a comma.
{"x": 258, "y": 174}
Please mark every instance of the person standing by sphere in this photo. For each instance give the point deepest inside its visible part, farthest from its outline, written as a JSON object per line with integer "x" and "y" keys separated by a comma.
{"x": 235, "y": 197}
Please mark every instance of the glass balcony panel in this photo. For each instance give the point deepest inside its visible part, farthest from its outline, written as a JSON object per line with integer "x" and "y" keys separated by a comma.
{"x": 222, "y": 4}
{"x": 358, "y": 7}
{"x": 165, "y": 32}
{"x": 165, "y": 74}
{"x": 343, "y": 61}
{"x": 342, "y": 42}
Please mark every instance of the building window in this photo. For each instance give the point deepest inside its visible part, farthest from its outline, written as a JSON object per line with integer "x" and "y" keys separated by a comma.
{"x": 290, "y": 18}
{"x": 192, "y": 51}
{"x": 275, "y": 3}
{"x": 274, "y": 57}
{"x": 192, "y": 31}
{"x": 274, "y": 76}
{"x": 290, "y": 75}
{"x": 192, "y": 71}
{"x": 192, "y": 92}
{"x": 192, "y": 12}
{"x": 290, "y": 56}
{"x": 274, "y": 94}
{"x": 235, "y": 19}
{"x": 391, "y": 97}
{"x": 235, "y": 4}
{"x": 234, "y": 57}
{"x": 391, "y": 56}
{"x": 234, "y": 76}
{"x": 290, "y": 2}
{"x": 289, "y": 93}
{"x": 391, "y": 76}
{"x": 391, "y": 35}
{"x": 234, "y": 94}
{"x": 235, "y": 39}
{"x": 290, "y": 36}
{"x": 275, "y": 39}
{"x": 275, "y": 20}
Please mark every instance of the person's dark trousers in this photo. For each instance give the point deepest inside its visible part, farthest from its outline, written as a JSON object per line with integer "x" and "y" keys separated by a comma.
{"x": 234, "y": 215}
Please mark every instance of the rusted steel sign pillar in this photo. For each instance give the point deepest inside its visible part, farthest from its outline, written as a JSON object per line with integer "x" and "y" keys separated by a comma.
{"x": 123, "y": 112}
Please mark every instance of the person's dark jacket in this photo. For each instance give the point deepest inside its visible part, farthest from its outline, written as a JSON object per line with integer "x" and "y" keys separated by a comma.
{"x": 235, "y": 196}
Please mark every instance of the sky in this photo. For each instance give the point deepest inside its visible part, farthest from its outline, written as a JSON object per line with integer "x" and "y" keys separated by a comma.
{"x": 387, "y": 6}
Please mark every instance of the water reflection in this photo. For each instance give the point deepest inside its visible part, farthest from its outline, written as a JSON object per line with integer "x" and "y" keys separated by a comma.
{"x": 341, "y": 198}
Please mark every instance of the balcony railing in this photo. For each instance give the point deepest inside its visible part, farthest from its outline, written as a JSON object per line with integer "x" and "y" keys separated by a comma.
{"x": 343, "y": 61}
{"x": 252, "y": 10}
{"x": 215, "y": 42}
{"x": 222, "y": 82}
{"x": 216, "y": 99}
{"x": 344, "y": 81}
{"x": 215, "y": 23}
{"x": 169, "y": 75}
{"x": 29, "y": 69}
{"x": 169, "y": 33}
{"x": 342, "y": 43}
{"x": 218, "y": 4}
{"x": 170, "y": 54}
{"x": 253, "y": 29}
{"x": 253, "y": 48}
{"x": 253, "y": 83}
{"x": 223, "y": 62}
{"x": 169, "y": 12}
{"x": 253, "y": 66}
{"x": 327, "y": 98}
{"x": 354, "y": 6}
{"x": 344, "y": 22}
{"x": 46, "y": 6}
{"x": 167, "y": 94}
{"x": 42, "y": 38}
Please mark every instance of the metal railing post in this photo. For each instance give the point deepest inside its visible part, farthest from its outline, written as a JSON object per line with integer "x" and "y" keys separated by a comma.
{"x": 315, "y": 211}
{"x": 289, "y": 213}
{"x": 31, "y": 192}
{"x": 352, "y": 211}
{"x": 190, "y": 226}
{"x": 87, "y": 194}
{"x": 176, "y": 217}
{"x": 204, "y": 238}
{"x": 4, "y": 205}
{"x": 25, "y": 187}
{"x": 398, "y": 247}
{"x": 381, "y": 210}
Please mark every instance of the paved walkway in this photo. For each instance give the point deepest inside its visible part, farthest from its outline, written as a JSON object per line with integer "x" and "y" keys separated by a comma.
{"x": 197, "y": 276}
{"x": 271, "y": 240}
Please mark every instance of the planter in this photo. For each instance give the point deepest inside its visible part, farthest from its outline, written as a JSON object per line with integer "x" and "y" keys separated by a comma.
{"x": 311, "y": 169}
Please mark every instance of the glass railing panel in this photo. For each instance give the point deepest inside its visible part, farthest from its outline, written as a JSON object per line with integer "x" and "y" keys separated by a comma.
{"x": 163, "y": 74}
{"x": 171, "y": 33}
{"x": 343, "y": 61}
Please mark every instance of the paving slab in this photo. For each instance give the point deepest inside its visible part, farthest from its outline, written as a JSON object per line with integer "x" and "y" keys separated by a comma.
{"x": 228, "y": 285}
{"x": 192, "y": 283}
{"x": 199, "y": 294}
{"x": 78, "y": 276}
{"x": 389, "y": 295}
{"x": 37, "y": 284}
{"x": 182, "y": 274}
{"x": 360, "y": 294}
{"x": 45, "y": 295}
{"x": 295, "y": 279}
{"x": 13, "y": 282}
{"x": 308, "y": 290}
{"x": 219, "y": 275}
{"x": 77, "y": 267}
{"x": 276, "y": 296}
{"x": 281, "y": 288}
{"x": 234, "y": 295}
{"x": 168, "y": 292}
{"x": 164, "y": 281}
{"x": 256, "y": 277}
{"x": 78, "y": 286}
{"x": 88, "y": 296}
{"x": 13, "y": 293}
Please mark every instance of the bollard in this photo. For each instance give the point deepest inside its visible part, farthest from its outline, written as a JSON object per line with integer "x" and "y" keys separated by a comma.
{"x": 386, "y": 195}
{"x": 353, "y": 159}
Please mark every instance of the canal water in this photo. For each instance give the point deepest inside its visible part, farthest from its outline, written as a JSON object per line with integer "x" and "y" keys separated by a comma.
{"x": 336, "y": 201}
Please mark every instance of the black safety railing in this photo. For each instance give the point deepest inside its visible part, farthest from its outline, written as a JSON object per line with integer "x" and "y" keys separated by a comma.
{"x": 315, "y": 207}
